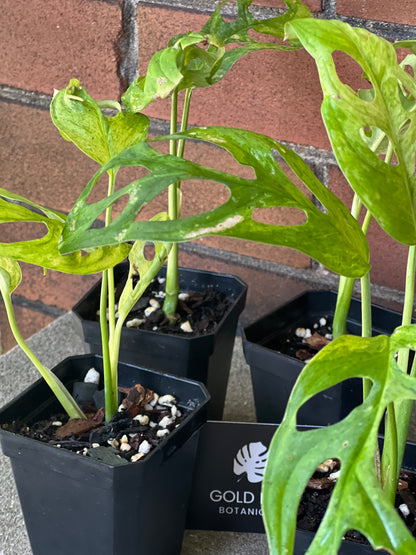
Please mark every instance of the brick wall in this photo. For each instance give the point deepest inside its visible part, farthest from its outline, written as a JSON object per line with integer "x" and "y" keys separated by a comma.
{"x": 104, "y": 43}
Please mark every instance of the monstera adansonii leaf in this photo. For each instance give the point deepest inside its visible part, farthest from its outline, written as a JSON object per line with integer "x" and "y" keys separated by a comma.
{"x": 44, "y": 251}
{"x": 332, "y": 237}
{"x": 357, "y": 501}
{"x": 200, "y": 59}
{"x": 356, "y": 121}
{"x": 80, "y": 120}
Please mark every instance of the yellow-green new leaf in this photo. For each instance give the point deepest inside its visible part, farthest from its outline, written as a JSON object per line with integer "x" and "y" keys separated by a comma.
{"x": 10, "y": 275}
{"x": 356, "y": 122}
{"x": 80, "y": 120}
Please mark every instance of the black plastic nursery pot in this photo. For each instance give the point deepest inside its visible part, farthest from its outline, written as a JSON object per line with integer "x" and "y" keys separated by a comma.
{"x": 206, "y": 358}
{"x": 75, "y": 504}
{"x": 274, "y": 374}
{"x": 303, "y": 539}
{"x": 226, "y": 496}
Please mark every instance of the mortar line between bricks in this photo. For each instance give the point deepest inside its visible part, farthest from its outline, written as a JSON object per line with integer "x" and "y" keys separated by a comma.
{"x": 128, "y": 45}
{"x": 316, "y": 275}
{"x": 310, "y": 154}
{"x": 24, "y": 97}
{"x": 42, "y": 101}
{"x": 37, "y": 306}
{"x": 329, "y": 9}
{"x": 205, "y": 7}
{"x": 388, "y": 30}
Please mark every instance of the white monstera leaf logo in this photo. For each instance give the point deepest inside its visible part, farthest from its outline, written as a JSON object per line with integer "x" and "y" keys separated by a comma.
{"x": 251, "y": 460}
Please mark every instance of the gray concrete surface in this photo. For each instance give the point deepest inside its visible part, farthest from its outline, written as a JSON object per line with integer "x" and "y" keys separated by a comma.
{"x": 56, "y": 342}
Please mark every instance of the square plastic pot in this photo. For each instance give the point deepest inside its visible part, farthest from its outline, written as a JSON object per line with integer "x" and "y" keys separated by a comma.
{"x": 274, "y": 374}
{"x": 74, "y": 504}
{"x": 303, "y": 539}
{"x": 206, "y": 358}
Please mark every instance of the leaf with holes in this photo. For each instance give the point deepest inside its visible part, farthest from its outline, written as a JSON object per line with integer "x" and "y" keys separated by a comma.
{"x": 333, "y": 238}
{"x": 44, "y": 251}
{"x": 294, "y": 455}
{"x": 251, "y": 460}
{"x": 353, "y": 120}
{"x": 200, "y": 59}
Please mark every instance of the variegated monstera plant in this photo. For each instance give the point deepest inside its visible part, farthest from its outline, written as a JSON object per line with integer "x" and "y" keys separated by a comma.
{"x": 373, "y": 136}
{"x": 73, "y": 242}
{"x": 371, "y": 132}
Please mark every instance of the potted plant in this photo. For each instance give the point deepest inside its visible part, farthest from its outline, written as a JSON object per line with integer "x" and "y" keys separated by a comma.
{"x": 371, "y": 133}
{"x": 106, "y": 139}
{"x": 278, "y": 345}
{"x": 116, "y": 142}
{"x": 108, "y": 499}
{"x": 60, "y": 489}
{"x": 190, "y": 61}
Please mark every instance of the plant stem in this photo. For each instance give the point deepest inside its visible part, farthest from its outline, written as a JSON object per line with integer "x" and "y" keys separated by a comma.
{"x": 390, "y": 467}
{"x": 124, "y": 310}
{"x": 366, "y": 324}
{"x": 107, "y": 299}
{"x": 399, "y": 414}
{"x": 345, "y": 288}
{"x": 176, "y": 148}
{"x": 172, "y": 277}
{"x": 110, "y": 271}
{"x": 58, "y": 388}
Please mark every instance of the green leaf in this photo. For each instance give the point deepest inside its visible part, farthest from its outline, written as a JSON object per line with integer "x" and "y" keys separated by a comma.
{"x": 409, "y": 44}
{"x": 146, "y": 269}
{"x": 333, "y": 238}
{"x": 10, "y": 276}
{"x": 388, "y": 191}
{"x": 237, "y": 30}
{"x": 80, "y": 120}
{"x": 294, "y": 455}
{"x": 44, "y": 251}
{"x": 199, "y": 59}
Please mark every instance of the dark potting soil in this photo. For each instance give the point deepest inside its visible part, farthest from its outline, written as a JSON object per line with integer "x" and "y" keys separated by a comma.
{"x": 317, "y": 495}
{"x": 304, "y": 342}
{"x": 198, "y": 312}
{"x": 144, "y": 420}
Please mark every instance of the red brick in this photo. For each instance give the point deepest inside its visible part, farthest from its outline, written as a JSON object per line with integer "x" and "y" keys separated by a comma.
{"x": 379, "y": 10}
{"x": 54, "y": 289}
{"x": 37, "y": 162}
{"x": 29, "y": 322}
{"x": 266, "y": 291}
{"x": 387, "y": 257}
{"x": 45, "y": 43}
{"x": 261, "y": 92}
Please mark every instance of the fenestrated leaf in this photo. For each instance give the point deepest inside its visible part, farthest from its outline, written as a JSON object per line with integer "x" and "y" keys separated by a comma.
{"x": 44, "y": 251}
{"x": 357, "y": 501}
{"x": 388, "y": 191}
{"x": 199, "y": 59}
{"x": 333, "y": 238}
{"x": 81, "y": 121}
